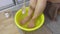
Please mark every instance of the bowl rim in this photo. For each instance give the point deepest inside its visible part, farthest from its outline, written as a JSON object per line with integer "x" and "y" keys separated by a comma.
{"x": 32, "y": 29}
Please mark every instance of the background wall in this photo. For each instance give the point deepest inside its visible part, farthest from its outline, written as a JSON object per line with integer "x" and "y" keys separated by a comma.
{"x": 4, "y": 4}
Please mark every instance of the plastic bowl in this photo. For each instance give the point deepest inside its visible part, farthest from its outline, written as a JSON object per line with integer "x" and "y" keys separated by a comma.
{"x": 19, "y": 16}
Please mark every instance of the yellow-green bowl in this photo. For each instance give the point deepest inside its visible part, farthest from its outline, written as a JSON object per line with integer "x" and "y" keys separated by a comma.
{"x": 19, "y": 16}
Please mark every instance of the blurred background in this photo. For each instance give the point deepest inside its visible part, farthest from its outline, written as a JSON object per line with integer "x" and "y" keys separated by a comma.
{"x": 8, "y": 8}
{"x": 4, "y": 4}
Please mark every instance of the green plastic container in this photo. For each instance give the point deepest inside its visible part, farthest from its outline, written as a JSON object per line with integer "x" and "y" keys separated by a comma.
{"x": 19, "y": 16}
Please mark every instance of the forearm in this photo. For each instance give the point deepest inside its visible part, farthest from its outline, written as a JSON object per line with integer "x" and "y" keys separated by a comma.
{"x": 33, "y": 3}
{"x": 32, "y": 7}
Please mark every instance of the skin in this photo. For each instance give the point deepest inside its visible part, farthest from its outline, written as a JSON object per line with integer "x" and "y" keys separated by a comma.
{"x": 38, "y": 7}
{"x": 30, "y": 12}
